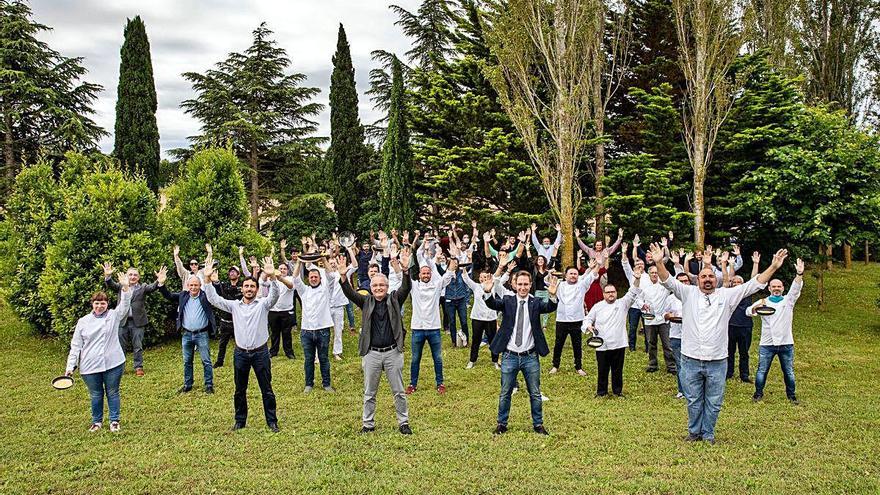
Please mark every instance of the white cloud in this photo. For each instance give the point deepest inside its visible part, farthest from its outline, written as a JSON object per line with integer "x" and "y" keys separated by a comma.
{"x": 190, "y": 35}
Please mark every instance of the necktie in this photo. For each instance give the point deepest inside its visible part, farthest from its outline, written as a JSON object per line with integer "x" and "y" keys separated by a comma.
{"x": 520, "y": 318}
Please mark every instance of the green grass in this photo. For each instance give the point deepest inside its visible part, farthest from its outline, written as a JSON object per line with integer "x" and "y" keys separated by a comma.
{"x": 181, "y": 444}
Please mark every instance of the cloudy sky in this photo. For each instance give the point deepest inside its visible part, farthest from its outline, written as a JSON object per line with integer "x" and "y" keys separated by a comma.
{"x": 192, "y": 35}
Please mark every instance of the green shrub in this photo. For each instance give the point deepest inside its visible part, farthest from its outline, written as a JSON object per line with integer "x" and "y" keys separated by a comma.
{"x": 303, "y": 216}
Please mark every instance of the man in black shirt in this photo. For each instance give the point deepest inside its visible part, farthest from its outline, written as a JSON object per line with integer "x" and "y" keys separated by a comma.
{"x": 381, "y": 341}
{"x": 227, "y": 290}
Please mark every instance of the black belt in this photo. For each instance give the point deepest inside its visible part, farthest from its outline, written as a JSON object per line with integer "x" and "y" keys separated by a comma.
{"x": 197, "y": 331}
{"x": 255, "y": 349}
{"x": 383, "y": 349}
{"x": 524, "y": 353}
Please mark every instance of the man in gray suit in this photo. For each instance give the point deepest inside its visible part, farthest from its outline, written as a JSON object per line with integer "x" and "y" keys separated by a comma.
{"x": 132, "y": 326}
{"x": 381, "y": 341}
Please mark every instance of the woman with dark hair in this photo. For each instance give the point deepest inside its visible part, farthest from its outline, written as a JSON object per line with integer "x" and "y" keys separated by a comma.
{"x": 96, "y": 350}
{"x": 540, "y": 271}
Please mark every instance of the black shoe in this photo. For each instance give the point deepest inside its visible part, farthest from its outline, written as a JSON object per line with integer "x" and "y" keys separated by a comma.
{"x": 599, "y": 396}
{"x": 620, "y": 396}
{"x": 692, "y": 438}
{"x": 209, "y": 390}
{"x": 405, "y": 429}
{"x": 757, "y": 398}
{"x": 650, "y": 370}
{"x": 367, "y": 430}
{"x": 291, "y": 356}
{"x": 274, "y": 427}
{"x": 540, "y": 429}
{"x": 794, "y": 400}
{"x": 237, "y": 426}
{"x": 273, "y": 355}
{"x": 711, "y": 441}
{"x": 500, "y": 429}
{"x": 218, "y": 364}
{"x": 729, "y": 377}
{"x": 184, "y": 390}
{"x": 746, "y": 380}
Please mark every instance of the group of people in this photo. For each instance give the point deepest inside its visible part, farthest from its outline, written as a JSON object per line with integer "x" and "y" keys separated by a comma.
{"x": 696, "y": 311}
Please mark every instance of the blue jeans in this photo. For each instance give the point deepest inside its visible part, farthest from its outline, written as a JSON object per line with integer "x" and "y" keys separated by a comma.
{"x": 419, "y": 337}
{"x": 188, "y": 342}
{"x": 316, "y": 341}
{"x": 349, "y": 313}
{"x": 511, "y": 364}
{"x": 786, "y": 361}
{"x": 675, "y": 345}
{"x": 99, "y": 384}
{"x": 259, "y": 360}
{"x": 633, "y": 317}
{"x": 453, "y": 307}
{"x": 703, "y": 383}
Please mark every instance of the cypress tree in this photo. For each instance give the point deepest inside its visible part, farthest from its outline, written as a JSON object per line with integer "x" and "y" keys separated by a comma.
{"x": 346, "y": 157}
{"x": 136, "y": 142}
{"x": 395, "y": 179}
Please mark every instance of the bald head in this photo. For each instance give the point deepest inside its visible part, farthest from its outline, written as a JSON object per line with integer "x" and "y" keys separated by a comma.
{"x": 707, "y": 280}
{"x": 776, "y": 287}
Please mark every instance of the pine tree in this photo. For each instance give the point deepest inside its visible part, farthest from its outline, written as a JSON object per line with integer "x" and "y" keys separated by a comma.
{"x": 395, "y": 180}
{"x": 347, "y": 156}
{"x": 249, "y": 102}
{"x": 44, "y": 104}
{"x": 137, "y": 135}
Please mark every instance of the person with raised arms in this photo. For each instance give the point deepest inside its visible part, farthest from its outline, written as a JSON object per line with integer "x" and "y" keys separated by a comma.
{"x": 316, "y": 323}
{"x": 570, "y": 314}
{"x": 520, "y": 342}
{"x": 776, "y": 334}
{"x": 607, "y": 320}
{"x": 706, "y": 309}
{"x": 134, "y": 324}
{"x": 381, "y": 341}
{"x": 250, "y": 320}
{"x": 484, "y": 321}
{"x": 96, "y": 350}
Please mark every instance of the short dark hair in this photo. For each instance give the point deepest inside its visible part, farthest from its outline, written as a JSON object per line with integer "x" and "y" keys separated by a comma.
{"x": 682, "y": 275}
{"x": 251, "y": 279}
{"x": 522, "y": 273}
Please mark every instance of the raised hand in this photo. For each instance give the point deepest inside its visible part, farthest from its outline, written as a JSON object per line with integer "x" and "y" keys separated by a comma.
{"x": 214, "y": 277}
{"x": 488, "y": 285}
{"x": 503, "y": 257}
{"x": 453, "y": 265}
{"x": 253, "y": 261}
{"x": 725, "y": 256}
{"x": 688, "y": 257}
{"x": 756, "y": 257}
{"x": 624, "y": 246}
{"x": 162, "y": 275}
{"x": 209, "y": 266}
{"x": 656, "y": 252}
{"x": 269, "y": 267}
{"x": 736, "y": 251}
{"x": 577, "y": 232}
{"x": 799, "y": 266}
{"x": 534, "y": 227}
{"x": 664, "y": 242}
{"x": 209, "y": 249}
{"x": 405, "y": 256}
{"x": 108, "y": 269}
{"x": 176, "y": 251}
{"x": 779, "y": 258}
{"x": 670, "y": 235}
{"x": 240, "y": 251}
{"x": 123, "y": 280}
{"x": 552, "y": 285}
{"x": 638, "y": 270}
{"x": 487, "y": 236}
{"x": 636, "y": 240}
{"x": 674, "y": 256}
{"x": 558, "y": 227}
{"x": 620, "y": 233}
{"x": 283, "y": 244}
{"x": 592, "y": 264}
{"x": 521, "y": 236}
{"x": 474, "y": 223}
{"x": 341, "y": 265}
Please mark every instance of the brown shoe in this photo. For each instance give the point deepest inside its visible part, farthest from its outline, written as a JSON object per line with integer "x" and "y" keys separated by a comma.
{"x": 441, "y": 389}
{"x": 139, "y": 372}
{"x": 410, "y": 389}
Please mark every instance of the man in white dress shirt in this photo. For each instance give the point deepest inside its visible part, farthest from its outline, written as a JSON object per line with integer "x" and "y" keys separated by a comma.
{"x": 607, "y": 319}
{"x": 250, "y": 321}
{"x": 315, "y": 325}
{"x": 570, "y": 314}
{"x": 776, "y": 335}
{"x": 706, "y": 309}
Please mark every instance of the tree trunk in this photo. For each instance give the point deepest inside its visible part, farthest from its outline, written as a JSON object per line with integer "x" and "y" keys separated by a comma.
{"x": 699, "y": 203}
{"x": 820, "y": 289}
{"x": 8, "y": 146}
{"x": 829, "y": 252}
{"x": 255, "y": 190}
{"x": 847, "y": 256}
{"x": 600, "y": 174}
{"x": 867, "y": 253}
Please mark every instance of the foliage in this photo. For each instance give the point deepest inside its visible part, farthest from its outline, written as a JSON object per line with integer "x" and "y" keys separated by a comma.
{"x": 109, "y": 217}
{"x": 395, "y": 178}
{"x": 303, "y": 216}
{"x": 44, "y": 104}
{"x": 136, "y": 134}
{"x": 207, "y": 203}
{"x": 250, "y": 102}
{"x": 347, "y": 155}
{"x": 34, "y": 205}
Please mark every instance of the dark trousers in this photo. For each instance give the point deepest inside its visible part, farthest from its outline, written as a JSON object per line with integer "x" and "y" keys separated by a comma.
{"x": 456, "y": 307}
{"x": 225, "y": 331}
{"x": 444, "y": 318}
{"x": 316, "y": 342}
{"x": 633, "y": 317}
{"x": 662, "y": 331}
{"x": 738, "y": 337}
{"x": 481, "y": 328}
{"x": 563, "y": 330}
{"x": 610, "y": 361}
{"x": 280, "y": 325}
{"x": 259, "y": 360}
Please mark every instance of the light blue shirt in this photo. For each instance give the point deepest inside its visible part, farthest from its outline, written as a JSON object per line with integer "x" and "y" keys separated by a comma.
{"x": 194, "y": 317}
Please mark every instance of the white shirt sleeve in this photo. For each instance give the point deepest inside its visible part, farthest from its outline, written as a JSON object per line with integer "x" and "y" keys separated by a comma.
{"x": 216, "y": 300}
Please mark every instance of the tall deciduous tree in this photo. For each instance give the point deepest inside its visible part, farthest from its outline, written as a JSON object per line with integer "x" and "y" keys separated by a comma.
{"x": 708, "y": 45}
{"x": 250, "y": 102}
{"x": 43, "y": 101}
{"x": 136, "y": 133}
{"x": 347, "y": 156}
{"x": 395, "y": 179}
{"x": 545, "y": 53}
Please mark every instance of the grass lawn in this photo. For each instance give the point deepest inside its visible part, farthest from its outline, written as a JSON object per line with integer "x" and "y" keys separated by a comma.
{"x": 182, "y": 444}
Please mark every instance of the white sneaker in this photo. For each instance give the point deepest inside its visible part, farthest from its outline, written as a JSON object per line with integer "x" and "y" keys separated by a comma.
{"x": 483, "y": 344}
{"x": 95, "y": 427}
{"x": 469, "y": 365}
{"x": 679, "y": 395}
{"x": 553, "y": 371}
{"x": 582, "y": 372}
{"x": 114, "y": 426}
{"x": 497, "y": 366}
{"x": 544, "y": 398}
{"x": 515, "y": 391}
{"x": 338, "y": 357}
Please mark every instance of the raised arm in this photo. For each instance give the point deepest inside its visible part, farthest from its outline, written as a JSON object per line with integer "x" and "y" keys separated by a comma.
{"x": 243, "y": 262}
{"x": 612, "y": 248}
{"x": 178, "y": 264}
{"x": 756, "y": 261}
{"x": 797, "y": 284}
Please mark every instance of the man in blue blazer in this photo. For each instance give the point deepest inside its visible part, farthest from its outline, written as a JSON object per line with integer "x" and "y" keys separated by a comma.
{"x": 520, "y": 342}
{"x": 195, "y": 320}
